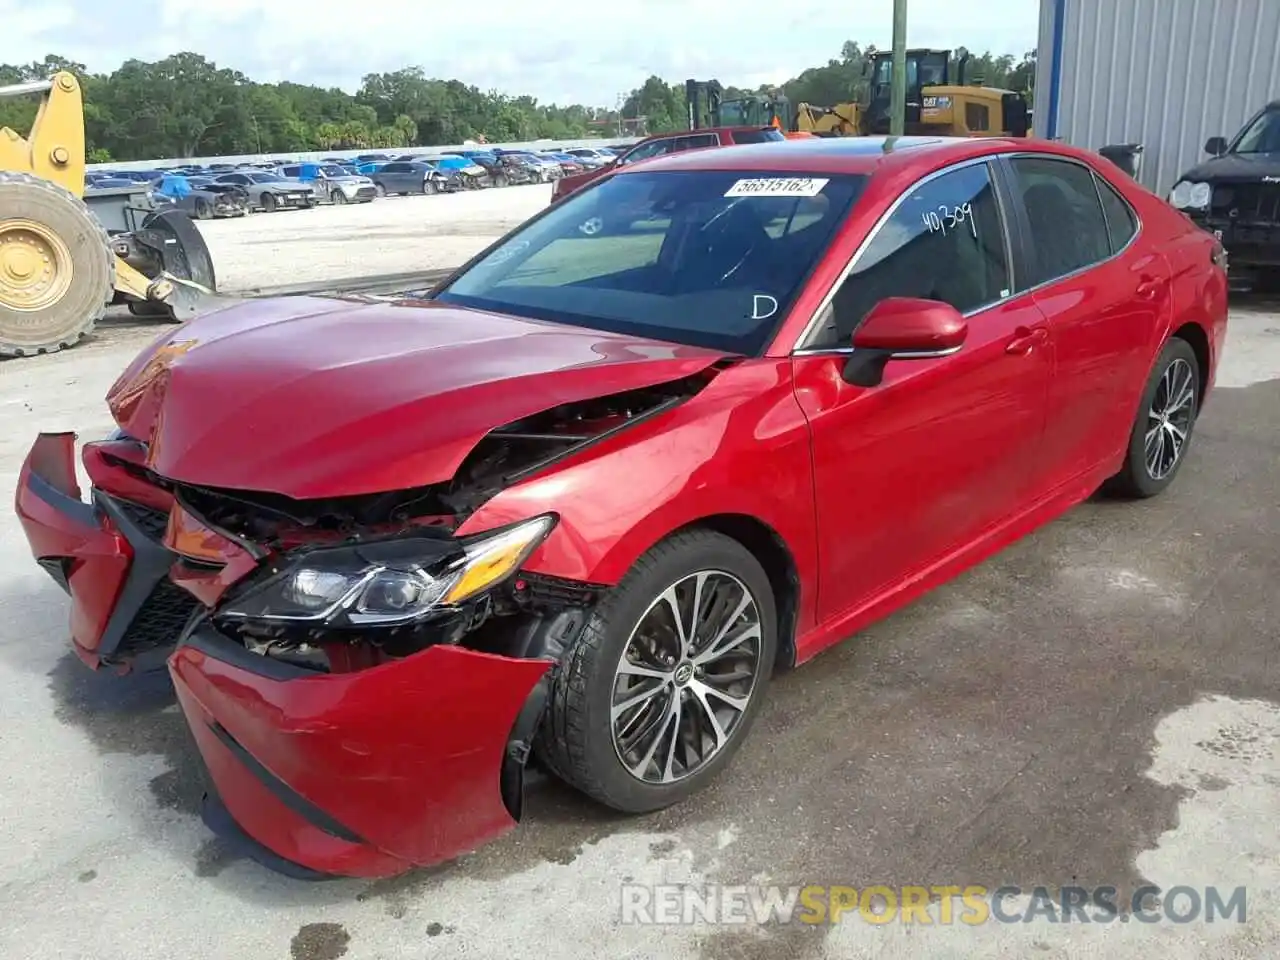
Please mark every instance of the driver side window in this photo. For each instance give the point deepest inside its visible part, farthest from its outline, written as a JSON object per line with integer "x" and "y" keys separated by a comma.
{"x": 945, "y": 241}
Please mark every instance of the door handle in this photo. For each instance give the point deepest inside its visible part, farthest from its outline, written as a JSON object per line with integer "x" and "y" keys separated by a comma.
{"x": 1026, "y": 339}
{"x": 1149, "y": 287}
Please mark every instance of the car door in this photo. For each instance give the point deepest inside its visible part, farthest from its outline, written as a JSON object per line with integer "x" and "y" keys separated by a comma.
{"x": 941, "y": 450}
{"x": 1104, "y": 292}
{"x": 390, "y": 178}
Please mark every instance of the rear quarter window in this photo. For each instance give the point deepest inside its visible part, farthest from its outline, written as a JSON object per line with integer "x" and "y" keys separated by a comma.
{"x": 1122, "y": 224}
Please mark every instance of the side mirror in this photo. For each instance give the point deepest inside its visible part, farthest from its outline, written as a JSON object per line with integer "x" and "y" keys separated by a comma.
{"x": 903, "y": 328}
{"x": 1216, "y": 146}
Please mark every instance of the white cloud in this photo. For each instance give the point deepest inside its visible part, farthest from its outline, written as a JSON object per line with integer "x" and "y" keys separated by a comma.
{"x": 584, "y": 53}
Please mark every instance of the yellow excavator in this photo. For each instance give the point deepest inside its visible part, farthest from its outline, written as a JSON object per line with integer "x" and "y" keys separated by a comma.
{"x": 67, "y": 253}
{"x": 934, "y": 105}
{"x": 837, "y": 120}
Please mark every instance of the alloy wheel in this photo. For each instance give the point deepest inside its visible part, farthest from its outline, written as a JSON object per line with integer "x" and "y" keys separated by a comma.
{"x": 686, "y": 676}
{"x": 1169, "y": 419}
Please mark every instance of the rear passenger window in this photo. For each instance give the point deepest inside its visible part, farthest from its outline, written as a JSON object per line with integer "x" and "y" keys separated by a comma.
{"x": 1121, "y": 223}
{"x": 944, "y": 242}
{"x": 1068, "y": 228}
{"x": 697, "y": 141}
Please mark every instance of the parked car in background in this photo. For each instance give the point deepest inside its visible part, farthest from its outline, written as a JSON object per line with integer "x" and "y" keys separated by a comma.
{"x": 269, "y": 191}
{"x": 545, "y": 167}
{"x": 487, "y": 160}
{"x": 1236, "y": 196}
{"x": 569, "y": 164}
{"x": 665, "y": 143}
{"x": 518, "y": 170}
{"x": 471, "y": 175}
{"x": 332, "y": 183}
{"x": 403, "y": 177}
{"x": 592, "y": 158}
{"x": 203, "y": 198}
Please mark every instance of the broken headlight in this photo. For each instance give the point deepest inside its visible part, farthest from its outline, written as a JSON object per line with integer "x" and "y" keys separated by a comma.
{"x": 389, "y": 582}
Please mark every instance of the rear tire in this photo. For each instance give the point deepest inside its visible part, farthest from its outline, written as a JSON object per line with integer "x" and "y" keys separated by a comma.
{"x": 40, "y": 311}
{"x": 591, "y": 725}
{"x": 202, "y": 211}
{"x": 1163, "y": 427}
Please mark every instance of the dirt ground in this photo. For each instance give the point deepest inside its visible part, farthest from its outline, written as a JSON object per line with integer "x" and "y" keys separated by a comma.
{"x": 1099, "y": 704}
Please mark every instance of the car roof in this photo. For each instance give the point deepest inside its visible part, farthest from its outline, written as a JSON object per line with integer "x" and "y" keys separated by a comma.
{"x": 857, "y": 155}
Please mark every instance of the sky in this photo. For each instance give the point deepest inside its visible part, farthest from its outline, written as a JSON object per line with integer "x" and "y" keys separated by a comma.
{"x": 588, "y": 52}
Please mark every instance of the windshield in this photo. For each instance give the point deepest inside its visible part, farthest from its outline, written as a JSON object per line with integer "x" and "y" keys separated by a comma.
{"x": 705, "y": 258}
{"x": 333, "y": 170}
{"x": 884, "y": 72}
{"x": 266, "y": 178}
{"x": 1261, "y": 136}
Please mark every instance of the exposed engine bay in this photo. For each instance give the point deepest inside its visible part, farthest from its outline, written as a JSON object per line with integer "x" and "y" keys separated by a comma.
{"x": 344, "y": 584}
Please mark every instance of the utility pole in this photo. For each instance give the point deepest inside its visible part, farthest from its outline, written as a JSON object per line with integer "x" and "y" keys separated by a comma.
{"x": 898, "y": 86}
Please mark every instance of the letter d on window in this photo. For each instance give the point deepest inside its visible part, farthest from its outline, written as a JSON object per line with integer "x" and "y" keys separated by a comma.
{"x": 763, "y": 306}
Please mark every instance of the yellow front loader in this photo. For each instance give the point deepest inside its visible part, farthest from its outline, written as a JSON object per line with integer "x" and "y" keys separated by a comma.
{"x": 64, "y": 260}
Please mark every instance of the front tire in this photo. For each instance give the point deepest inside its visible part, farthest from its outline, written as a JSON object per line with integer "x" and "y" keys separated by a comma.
{"x": 268, "y": 203}
{"x": 1164, "y": 424}
{"x": 644, "y": 712}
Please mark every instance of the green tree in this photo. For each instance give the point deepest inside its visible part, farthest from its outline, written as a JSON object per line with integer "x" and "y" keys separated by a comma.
{"x": 186, "y": 105}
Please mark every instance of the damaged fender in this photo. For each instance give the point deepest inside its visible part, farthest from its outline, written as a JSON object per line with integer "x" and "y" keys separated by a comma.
{"x": 616, "y": 498}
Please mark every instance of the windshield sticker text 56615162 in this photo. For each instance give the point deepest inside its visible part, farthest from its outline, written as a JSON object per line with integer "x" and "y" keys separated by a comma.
{"x": 778, "y": 187}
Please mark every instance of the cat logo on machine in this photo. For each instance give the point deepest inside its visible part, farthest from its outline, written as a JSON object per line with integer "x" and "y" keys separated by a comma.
{"x": 937, "y": 103}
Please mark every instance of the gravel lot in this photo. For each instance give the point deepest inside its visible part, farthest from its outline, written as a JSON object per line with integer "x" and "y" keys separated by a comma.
{"x": 1100, "y": 704}
{"x": 391, "y": 235}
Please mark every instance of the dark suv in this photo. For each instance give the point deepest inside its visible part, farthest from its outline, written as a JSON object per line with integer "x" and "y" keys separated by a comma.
{"x": 1236, "y": 195}
{"x": 664, "y": 143}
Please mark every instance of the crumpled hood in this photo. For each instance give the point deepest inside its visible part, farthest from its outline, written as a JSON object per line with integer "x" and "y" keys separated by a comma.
{"x": 315, "y": 397}
{"x": 1236, "y": 168}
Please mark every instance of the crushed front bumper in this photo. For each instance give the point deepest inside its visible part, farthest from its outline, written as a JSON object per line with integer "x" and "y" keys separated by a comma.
{"x": 107, "y": 554}
{"x": 367, "y": 773}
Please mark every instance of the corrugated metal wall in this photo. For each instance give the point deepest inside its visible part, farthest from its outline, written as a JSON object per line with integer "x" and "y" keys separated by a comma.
{"x": 1165, "y": 73}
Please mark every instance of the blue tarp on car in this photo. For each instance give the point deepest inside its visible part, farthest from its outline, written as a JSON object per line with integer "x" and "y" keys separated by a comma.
{"x": 174, "y": 186}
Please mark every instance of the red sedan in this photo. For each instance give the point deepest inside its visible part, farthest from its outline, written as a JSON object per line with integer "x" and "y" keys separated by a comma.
{"x": 584, "y": 499}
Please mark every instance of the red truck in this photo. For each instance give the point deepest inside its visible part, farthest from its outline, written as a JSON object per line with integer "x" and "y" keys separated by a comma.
{"x": 663, "y": 143}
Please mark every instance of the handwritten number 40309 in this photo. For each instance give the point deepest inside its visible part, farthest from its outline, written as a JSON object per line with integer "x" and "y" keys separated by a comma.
{"x": 947, "y": 219}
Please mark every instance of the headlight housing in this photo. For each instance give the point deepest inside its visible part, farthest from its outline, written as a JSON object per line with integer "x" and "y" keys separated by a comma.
{"x": 389, "y": 582}
{"x": 1190, "y": 195}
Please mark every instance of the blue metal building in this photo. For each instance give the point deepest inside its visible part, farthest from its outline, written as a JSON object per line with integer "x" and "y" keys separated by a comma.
{"x": 1168, "y": 74}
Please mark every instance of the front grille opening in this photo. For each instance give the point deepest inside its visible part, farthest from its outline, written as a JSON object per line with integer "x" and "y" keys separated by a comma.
{"x": 161, "y": 619}
{"x": 152, "y": 522}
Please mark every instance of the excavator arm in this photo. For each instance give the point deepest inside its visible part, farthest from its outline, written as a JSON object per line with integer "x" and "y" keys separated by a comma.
{"x": 59, "y": 266}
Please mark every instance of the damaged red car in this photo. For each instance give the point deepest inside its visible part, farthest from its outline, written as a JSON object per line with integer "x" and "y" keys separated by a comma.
{"x": 688, "y": 427}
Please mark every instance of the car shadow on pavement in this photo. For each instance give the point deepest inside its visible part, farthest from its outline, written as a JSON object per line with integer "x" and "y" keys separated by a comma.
{"x": 134, "y": 714}
{"x": 137, "y": 714}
